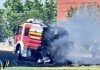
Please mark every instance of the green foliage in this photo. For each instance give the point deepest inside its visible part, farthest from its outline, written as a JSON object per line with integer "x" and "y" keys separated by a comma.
{"x": 17, "y": 11}
{"x": 71, "y": 11}
{"x": 49, "y": 11}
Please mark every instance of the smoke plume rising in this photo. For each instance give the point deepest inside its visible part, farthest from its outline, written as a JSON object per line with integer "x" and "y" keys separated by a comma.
{"x": 72, "y": 38}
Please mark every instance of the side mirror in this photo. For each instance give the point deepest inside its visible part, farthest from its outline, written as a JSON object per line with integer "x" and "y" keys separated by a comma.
{"x": 15, "y": 30}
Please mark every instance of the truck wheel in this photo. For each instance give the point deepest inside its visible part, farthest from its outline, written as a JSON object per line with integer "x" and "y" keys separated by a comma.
{"x": 19, "y": 55}
{"x": 29, "y": 53}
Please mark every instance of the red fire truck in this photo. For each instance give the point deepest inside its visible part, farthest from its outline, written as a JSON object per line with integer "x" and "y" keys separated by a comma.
{"x": 47, "y": 44}
{"x": 28, "y": 39}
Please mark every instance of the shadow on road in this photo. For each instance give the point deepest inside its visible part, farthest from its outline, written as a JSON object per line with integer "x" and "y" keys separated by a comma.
{"x": 14, "y": 62}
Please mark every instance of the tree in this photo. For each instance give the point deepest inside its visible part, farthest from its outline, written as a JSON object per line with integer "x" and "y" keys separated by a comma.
{"x": 15, "y": 5}
{"x": 49, "y": 11}
{"x": 45, "y": 11}
{"x": 15, "y": 12}
{"x": 1, "y": 25}
{"x": 11, "y": 15}
{"x": 32, "y": 8}
{"x": 71, "y": 12}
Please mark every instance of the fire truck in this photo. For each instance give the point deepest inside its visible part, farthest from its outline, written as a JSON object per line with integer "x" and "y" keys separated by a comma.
{"x": 49, "y": 44}
{"x": 29, "y": 41}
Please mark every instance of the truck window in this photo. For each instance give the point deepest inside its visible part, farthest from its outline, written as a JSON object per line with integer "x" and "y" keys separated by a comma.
{"x": 26, "y": 32}
{"x": 15, "y": 30}
{"x": 18, "y": 30}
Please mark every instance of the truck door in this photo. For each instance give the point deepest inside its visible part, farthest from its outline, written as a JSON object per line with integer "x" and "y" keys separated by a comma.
{"x": 26, "y": 37}
{"x": 18, "y": 34}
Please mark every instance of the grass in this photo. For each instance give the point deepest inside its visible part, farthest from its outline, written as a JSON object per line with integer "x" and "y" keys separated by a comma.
{"x": 55, "y": 68}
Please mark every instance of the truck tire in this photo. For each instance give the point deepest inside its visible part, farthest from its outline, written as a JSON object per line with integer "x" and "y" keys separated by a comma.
{"x": 19, "y": 56}
{"x": 29, "y": 54}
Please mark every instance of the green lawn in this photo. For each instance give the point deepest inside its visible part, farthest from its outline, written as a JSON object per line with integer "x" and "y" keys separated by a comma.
{"x": 55, "y": 68}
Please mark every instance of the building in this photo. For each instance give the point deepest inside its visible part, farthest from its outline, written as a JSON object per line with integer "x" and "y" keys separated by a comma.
{"x": 64, "y": 5}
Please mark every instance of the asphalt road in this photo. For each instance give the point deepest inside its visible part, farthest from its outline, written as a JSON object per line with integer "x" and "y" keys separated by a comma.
{"x": 14, "y": 62}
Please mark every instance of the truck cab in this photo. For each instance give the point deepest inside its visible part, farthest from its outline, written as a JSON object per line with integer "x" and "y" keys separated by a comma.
{"x": 28, "y": 38}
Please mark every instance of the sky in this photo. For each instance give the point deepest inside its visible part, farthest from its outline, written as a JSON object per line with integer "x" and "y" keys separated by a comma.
{"x": 1, "y": 3}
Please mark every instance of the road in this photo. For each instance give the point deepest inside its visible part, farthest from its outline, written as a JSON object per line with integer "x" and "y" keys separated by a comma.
{"x": 13, "y": 61}
{"x": 6, "y": 54}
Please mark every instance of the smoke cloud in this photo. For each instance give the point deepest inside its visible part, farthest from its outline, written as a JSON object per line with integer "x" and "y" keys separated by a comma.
{"x": 73, "y": 38}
